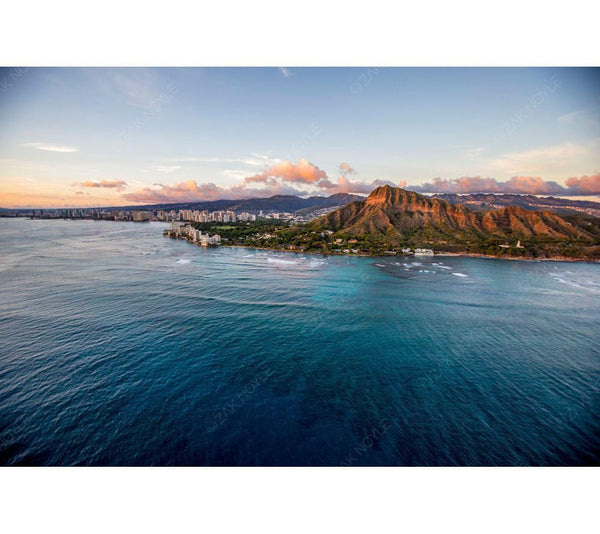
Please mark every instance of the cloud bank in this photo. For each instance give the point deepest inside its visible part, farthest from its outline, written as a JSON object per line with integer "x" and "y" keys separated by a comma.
{"x": 119, "y": 185}
{"x": 585, "y": 185}
{"x": 281, "y": 178}
{"x": 534, "y": 185}
{"x": 191, "y": 191}
{"x": 305, "y": 178}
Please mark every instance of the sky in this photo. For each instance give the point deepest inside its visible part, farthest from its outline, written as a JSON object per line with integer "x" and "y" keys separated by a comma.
{"x": 84, "y": 137}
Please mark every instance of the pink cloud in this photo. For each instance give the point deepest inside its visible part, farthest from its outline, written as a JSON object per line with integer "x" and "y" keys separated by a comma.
{"x": 476, "y": 184}
{"x": 345, "y": 169}
{"x": 119, "y": 185}
{"x": 191, "y": 191}
{"x": 345, "y": 185}
{"x": 304, "y": 177}
{"x": 274, "y": 180}
{"x": 584, "y": 185}
{"x": 303, "y": 172}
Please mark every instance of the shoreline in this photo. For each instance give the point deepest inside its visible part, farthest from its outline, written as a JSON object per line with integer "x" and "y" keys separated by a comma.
{"x": 489, "y": 256}
{"x": 437, "y": 254}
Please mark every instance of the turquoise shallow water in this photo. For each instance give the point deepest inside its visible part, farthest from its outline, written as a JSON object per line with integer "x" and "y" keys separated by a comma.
{"x": 121, "y": 347}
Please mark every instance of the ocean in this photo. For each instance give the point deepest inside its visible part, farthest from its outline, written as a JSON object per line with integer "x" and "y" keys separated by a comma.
{"x": 119, "y": 347}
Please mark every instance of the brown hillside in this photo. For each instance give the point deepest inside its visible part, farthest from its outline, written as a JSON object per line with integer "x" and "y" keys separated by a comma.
{"x": 395, "y": 212}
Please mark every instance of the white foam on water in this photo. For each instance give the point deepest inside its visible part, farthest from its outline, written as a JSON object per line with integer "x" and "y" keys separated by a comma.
{"x": 587, "y": 285}
{"x": 182, "y": 261}
{"x": 282, "y": 262}
{"x": 302, "y": 262}
{"x": 461, "y": 275}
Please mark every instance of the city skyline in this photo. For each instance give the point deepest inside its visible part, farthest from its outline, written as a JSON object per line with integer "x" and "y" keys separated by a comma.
{"x": 77, "y": 137}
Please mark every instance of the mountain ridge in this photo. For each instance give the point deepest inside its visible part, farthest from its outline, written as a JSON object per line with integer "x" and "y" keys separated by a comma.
{"x": 489, "y": 201}
{"x": 398, "y": 214}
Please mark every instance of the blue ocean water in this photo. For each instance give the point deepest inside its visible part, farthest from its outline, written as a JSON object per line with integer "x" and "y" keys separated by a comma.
{"x": 121, "y": 347}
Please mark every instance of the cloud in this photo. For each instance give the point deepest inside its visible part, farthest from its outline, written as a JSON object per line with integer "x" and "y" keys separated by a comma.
{"x": 51, "y": 148}
{"x": 584, "y": 185}
{"x": 345, "y": 185}
{"x": 577, "y": 118}
{"x": 542, "y": 160}
{"x": 191, "y": 191}
{"x": 167, "y": 168}
{"x": 236, "y": 174}
{"x": 282, "y": 178}
{"x": 254, "y": 160}
{"x": 198, "y": 159}
{"x": 302, "y": 172}
{"x": 119, "y": 185}
{"x": 534, "y": 185}
{"x": 285, "y": 72}
{"x": 346, "y": 169}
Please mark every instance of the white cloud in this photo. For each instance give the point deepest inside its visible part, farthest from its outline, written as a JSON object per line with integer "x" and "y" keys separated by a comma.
{"x": 254, "y": 160}
{"x": 475, "y": 153}
{"x": 237, "y": 174}
{"x": 260, "y": 160}
{"x": 167, "y": 168}
{"x": 198, "y": 159}
{"x": 51, "y": 148}
{"x": 546, "y": 159}
{"x": 579, "y": 118}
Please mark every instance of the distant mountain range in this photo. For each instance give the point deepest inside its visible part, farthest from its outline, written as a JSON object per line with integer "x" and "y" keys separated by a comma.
{"x": 488, "y": 201}
{"x": 292, "y": 204}
{"x": 277, "y": 203}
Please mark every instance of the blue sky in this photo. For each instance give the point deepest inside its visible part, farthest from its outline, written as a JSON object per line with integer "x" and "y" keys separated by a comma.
{"x": 86, "y": 137}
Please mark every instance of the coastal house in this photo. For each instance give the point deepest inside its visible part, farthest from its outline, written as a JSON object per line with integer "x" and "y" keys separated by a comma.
{"x": 423, "y": 252}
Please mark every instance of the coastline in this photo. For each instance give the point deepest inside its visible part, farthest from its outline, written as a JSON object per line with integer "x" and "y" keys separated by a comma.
{"x": 440, "y": 254}
{"x": 489, "y": 256}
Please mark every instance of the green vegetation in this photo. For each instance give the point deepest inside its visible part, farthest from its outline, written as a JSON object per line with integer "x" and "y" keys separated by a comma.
{"x": 279, "y": 235}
